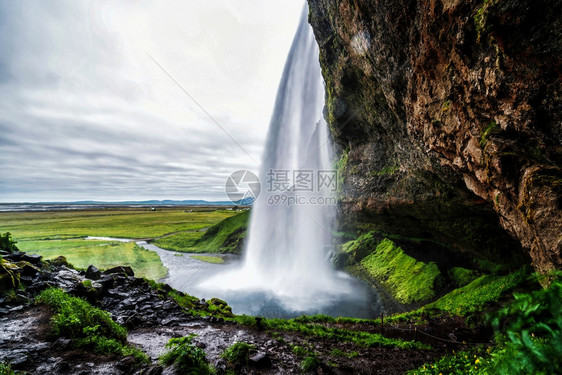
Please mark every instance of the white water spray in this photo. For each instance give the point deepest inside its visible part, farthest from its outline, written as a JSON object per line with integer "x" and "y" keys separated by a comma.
{"x": 287, "y": 252}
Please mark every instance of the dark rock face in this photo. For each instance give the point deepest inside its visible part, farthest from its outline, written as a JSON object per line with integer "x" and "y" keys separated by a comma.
{"x": 448, "y": 116}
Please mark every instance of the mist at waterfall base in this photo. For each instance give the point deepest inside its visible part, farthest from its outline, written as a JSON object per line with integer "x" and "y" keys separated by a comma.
{"x": 286, "y": 270}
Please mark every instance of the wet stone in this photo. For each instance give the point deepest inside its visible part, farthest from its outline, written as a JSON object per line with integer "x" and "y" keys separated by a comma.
{"x": 93, "y": 273}
{"x": 260, "y": 359}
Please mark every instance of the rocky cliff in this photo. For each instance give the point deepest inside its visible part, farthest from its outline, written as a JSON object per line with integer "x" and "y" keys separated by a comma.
{"x": 448, "y": 118}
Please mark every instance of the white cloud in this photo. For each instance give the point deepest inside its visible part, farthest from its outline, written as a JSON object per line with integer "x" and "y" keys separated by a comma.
{"x": 86, "y": 114}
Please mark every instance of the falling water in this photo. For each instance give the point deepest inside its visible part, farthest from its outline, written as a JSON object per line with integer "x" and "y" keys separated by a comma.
{"x": 287, "y": 253}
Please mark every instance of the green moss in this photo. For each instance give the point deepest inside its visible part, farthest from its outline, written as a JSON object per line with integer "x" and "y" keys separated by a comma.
{"x": 446, "y": 106}
{"x": 482, "y": 291}
{"x": 489, "y": 130}
{"x": 408, "y": 280}
{"x": 462, "y": 276}
{"x": 481, "y": 18}
{"x": 215, "y": 307}
{"x": 386, "y": 171}
{"x": 341, "y": 166}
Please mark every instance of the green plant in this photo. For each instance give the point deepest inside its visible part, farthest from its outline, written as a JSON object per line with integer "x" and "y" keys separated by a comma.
{"x": 238, "y": 353}
{"x": 470, "y": 362}
{"x": 462, "y": 276}
{"x": 340, "y": 353}
{"x": 300, "y": 351}
{"x": 6, "y": 369}
{"x": 88, "y": 326}
{"x": 489, "y": 130}
{"x": 7, "y": 243}
{"x": 533, "y": 332}
{"x": 187, "y": 358}
{"x": 310, "y": 363}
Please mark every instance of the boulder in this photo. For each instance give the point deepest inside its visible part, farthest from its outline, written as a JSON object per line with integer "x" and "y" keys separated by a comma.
{"x": 125, "y": 270}
{"x": 34, "y": 259}
{"x": 93, "y": 273}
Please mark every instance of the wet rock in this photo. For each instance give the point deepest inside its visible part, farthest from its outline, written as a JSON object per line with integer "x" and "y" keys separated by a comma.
{"x": 153, "y": 370}
{"x": 27, "y": 269}
{"x": 124, "y": 270}
{"x": 62, "y": 367}
{"x": 14, "y": 257}
{"x": 93, "y": 273}
{"x": 34, "y": 259}
{"x": 260, "y": 359}
{"x": 126, "y": 363}
{"x": 59, "y": 261}
{"x": 61, "y": 344}
{"x": 17, "y": 358}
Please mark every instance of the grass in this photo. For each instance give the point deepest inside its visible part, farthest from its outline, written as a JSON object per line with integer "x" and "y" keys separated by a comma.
{"x": 186, "y": 357}
{"x": 408, "y": 280}
{"x": 490, "y": 129}
{"x": 102, "y": 254}
{"x": 362, "y": 339}
{"x": 223, "y": 237}
{"x": 208, "y": 259}
{"x": 462, "y": 276}
{"x": 88, "y": 326}
{"x": 6, "y": 369}
{"x": 468, "y": 362}
{"x": 238, "y": 353}
{"x": 474, "y": 296}
{"x": 123, "y": 223}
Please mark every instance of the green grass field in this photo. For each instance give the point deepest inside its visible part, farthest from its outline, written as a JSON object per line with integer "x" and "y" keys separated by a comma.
{"x": 56, "y": 233}
{"x": 124, "y": 223}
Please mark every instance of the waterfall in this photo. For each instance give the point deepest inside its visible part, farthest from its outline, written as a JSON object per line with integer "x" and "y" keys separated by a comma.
{"x": 289, "y": 233}
{"x": 287, "y": 250}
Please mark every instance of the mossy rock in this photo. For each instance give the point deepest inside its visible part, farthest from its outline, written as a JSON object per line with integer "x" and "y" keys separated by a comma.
{"x": 9, "y": 276}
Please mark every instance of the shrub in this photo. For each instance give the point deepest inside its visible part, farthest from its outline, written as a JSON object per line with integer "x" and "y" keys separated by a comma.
{"x": 187, "y": 358}
{"x": 6, "y": 369}
{"x": 7, "y": 243}
{"x": 533, "y": 332}
{"x": 88, "y": 326}
{"x": 238, "y": 353}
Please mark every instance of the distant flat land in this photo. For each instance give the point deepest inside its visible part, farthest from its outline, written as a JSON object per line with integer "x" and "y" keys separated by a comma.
{"x": 54, "y": 233}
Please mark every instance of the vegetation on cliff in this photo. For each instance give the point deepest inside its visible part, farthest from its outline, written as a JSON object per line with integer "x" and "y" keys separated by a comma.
{"x": 225, "y": 237}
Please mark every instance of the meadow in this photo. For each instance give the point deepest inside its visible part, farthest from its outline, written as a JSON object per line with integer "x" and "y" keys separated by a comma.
{"x": 55, "y": 233}
{"x": 137, "y": 223}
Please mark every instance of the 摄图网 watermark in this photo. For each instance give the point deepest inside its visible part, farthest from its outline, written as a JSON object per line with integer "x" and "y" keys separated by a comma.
{"x": 284, "y": 187}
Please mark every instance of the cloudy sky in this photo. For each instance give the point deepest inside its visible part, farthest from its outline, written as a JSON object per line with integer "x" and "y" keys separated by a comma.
{"x": 86, "y": 114}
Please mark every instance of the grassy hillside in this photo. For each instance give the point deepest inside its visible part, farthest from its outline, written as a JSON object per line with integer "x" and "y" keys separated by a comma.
{"x": 224, "y": 237}
{"x": 405, "y": 278}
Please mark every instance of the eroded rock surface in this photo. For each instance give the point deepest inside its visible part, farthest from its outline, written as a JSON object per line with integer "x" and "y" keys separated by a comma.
{"x": 448, "y": 115}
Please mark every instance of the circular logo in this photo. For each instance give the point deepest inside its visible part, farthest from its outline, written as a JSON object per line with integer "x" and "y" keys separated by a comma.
{"x": 242, "y": 187}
